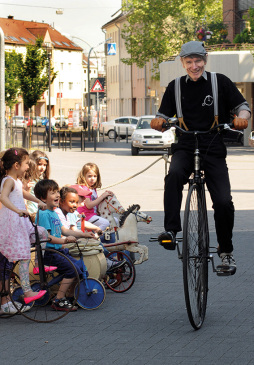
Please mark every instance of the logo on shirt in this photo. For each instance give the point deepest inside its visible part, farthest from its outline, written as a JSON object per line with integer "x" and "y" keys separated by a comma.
{"x": 208, "y": 101}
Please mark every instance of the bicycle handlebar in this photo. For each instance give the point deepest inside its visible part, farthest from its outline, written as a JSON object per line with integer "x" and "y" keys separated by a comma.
{"x": 172, "y": 123}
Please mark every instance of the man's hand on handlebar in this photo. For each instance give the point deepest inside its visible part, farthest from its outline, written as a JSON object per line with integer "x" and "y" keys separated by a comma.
{"x": 157, "y": 123}
{"x": 240, "y": 123}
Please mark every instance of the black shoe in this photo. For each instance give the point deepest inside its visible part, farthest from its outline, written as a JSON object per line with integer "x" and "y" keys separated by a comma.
{"x": 116, "y": 265}
{"x": 63, "y": 304}
{"x": 167, "y": 240}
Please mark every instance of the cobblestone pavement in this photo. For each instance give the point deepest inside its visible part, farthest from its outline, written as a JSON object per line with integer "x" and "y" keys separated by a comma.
{"x": 148, "y": 324}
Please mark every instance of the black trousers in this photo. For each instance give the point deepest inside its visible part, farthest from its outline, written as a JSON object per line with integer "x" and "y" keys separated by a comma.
{"x": 217, "y": 182}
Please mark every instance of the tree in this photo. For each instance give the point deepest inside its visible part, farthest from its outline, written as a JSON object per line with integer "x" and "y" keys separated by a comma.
{"x": 156, "y": 29}
{"x": 247, "y": 35}
{"x": 33, "y": 75}
{"x": 12, "y": 83}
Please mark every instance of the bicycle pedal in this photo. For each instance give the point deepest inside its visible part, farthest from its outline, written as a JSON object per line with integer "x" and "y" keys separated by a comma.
{"x": 168, "y": 244}
{"x": 225, "y": 272}
{"x": 153, "y": 239}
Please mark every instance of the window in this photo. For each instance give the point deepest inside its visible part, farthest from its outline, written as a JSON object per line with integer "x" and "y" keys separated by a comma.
{"x": 62, "y": 66}
{"x": 24, "y": 39}
{"x": 61, "y": 85}
{"x": 70, "y": 85}
{"x": 13, "y": 38}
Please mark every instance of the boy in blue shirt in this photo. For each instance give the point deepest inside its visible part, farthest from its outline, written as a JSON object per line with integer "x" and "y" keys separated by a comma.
{"x": 48, "y": 192}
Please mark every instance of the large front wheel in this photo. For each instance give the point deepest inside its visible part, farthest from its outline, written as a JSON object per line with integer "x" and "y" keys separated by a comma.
{"x": 195, "y": 255}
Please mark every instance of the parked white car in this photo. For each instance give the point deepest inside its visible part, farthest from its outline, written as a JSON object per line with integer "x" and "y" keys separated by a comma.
{"x": 146, "y": 138}
{"x": 119, "y": 124}
{"x": 19, "y": 122}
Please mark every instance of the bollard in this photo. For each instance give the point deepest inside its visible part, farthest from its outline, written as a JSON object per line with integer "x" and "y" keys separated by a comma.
{"x": 65, "y": 140}
{"x": 115, "y": 134}
{"x": 92, "y": 134}
{"x": 70, "y": 140}
{"x": 94, "y": 139}
{"x": 24, "y": 138}
{"x": 81, "y": 140}
{"x": 118, "y": 137}
{"x": 103, "y": 135}
{"x": 126, "y": 134}
{"x": 59, "y": 139}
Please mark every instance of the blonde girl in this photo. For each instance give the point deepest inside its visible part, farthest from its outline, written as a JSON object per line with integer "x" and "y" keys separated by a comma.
{"x": 15, "y": 227}
{"x": 90, "y": 179}
{"x": 39, "y": 169}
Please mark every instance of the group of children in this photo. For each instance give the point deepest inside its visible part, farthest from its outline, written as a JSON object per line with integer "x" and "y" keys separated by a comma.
{"x": 24, "y": 176}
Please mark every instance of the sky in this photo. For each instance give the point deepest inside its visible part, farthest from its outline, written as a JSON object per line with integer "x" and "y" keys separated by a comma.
{"x": 81, "y": 18}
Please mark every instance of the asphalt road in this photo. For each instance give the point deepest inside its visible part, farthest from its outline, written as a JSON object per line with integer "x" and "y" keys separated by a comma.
{"x": 148, "y": 324}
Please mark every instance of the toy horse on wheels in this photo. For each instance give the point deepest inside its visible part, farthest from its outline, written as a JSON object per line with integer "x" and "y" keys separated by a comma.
{"x": 123, "y": 235}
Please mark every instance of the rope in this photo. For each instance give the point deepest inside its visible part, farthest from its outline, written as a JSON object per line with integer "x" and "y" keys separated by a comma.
{"x": 164, "y": 157}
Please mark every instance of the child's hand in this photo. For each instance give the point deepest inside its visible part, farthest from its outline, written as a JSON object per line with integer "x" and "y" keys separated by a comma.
{"x": 89, "y": 235}
{"x": 29, "y": 184}
{"x": 70, "y": 239}
{"x": 42, "y": 206}
{"x": 98, "y": 231}
{"x": 106, "y": 193}
{"x": 23, "y": 213}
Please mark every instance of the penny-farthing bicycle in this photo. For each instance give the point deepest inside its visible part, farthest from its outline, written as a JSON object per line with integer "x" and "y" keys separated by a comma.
{"x": 196, "y": 252}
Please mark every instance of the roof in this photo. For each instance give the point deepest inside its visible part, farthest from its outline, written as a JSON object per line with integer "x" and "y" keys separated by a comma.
{"x": 21, "y": 32}
{"x": 112, "y": 21}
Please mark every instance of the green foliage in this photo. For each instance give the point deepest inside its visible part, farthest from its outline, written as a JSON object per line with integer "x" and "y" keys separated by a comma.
{"x": 156, "y": 29}
{"x": 217, "y": 28}
{"x": 247, "y": 35}
{"x": 12, "y": 83}
{"x": 33, "y": 73}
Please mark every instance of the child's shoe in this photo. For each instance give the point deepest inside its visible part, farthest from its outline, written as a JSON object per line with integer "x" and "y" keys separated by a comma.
{"x": 39, "y": 295}
{"x": 9, "y": 308}
{"x": 63, "y": 304}
{"x": 46, "y": 268}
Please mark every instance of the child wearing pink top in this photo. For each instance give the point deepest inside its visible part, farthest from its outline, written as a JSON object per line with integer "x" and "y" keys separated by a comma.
{"x": 89, "y": 179}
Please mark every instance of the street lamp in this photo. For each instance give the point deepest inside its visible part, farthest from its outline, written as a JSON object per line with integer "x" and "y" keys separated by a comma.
{"x": 88, "y": 84}
{"x": 49, "y": 54}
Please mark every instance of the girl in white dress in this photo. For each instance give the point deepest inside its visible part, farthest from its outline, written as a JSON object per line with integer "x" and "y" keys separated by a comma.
{"x": 16, "y": 230}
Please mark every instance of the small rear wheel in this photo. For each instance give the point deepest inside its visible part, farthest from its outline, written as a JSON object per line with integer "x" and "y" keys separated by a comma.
{"x": 91, "y": 294}
{"x": 123, "y": 277}
{"x": 40, "y": 310}
{"x": 6, "y": 277}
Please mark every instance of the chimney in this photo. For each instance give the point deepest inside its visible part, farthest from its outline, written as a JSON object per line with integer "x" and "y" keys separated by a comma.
{"x": 10, "y": 17}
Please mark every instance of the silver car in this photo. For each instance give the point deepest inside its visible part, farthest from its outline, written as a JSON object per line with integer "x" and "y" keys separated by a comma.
{"x": 118, "y": 126}
{"x": 19, "y": 122}
{"x": 146, "y": 138}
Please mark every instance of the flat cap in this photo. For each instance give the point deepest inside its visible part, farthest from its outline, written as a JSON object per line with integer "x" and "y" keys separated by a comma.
{"x": 193, "y": 47}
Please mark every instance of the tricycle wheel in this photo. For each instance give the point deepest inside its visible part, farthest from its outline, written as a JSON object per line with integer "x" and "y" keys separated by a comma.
{"x": 122, "y": 278}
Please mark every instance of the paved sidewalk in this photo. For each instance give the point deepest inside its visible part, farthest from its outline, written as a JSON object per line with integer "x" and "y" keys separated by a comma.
{"x": 149, "y": 324}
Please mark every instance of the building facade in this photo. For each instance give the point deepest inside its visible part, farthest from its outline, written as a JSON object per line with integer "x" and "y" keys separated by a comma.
{"x": 130, "y": 90}
{"x": 67, "y": 89}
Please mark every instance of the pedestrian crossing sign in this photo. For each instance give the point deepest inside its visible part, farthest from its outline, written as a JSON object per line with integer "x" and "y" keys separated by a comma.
{"x": 97, "y": 87}
{"x": 111, "y": 49}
